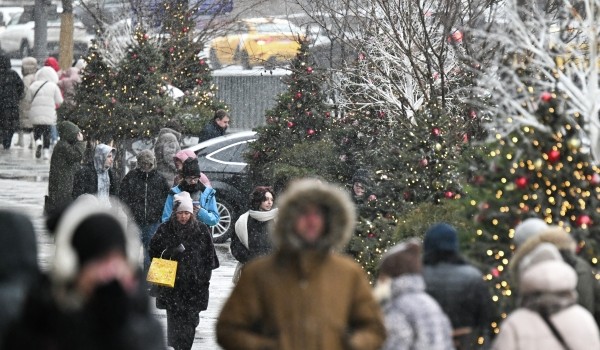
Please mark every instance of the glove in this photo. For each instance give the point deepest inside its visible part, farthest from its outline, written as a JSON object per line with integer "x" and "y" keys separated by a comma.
{"x": 174, "y": 251}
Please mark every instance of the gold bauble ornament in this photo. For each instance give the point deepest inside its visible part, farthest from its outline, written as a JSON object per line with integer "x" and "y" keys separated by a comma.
{"x": 438, "y": 147}
{"x": 574, "y": 143}
{"x": 538, "y": 164}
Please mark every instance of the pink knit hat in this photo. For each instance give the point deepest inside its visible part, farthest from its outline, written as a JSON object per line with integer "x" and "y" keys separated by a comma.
{"x": 184, "y": 154}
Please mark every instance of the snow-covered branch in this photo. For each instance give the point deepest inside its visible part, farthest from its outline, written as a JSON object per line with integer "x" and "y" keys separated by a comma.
{"x": 539, "y": 50}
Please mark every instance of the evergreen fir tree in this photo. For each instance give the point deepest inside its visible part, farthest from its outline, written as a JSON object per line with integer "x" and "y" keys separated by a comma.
{"x": 293, "y": 142}
{"x": 93, "y": 101}
{"x": 141, "y": 104}
{"x": 542, "y": 171}
{"x": 184, "y": 68}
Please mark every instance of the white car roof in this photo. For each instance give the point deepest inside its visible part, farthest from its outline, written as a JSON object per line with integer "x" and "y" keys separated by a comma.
{"x": 214, "y": 141}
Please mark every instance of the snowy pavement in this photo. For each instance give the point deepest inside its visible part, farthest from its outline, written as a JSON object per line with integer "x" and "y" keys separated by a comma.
{"x": 23, "y": 184}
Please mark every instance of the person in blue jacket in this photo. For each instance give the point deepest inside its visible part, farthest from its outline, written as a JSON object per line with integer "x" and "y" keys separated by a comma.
{"x": 205, "y": 202}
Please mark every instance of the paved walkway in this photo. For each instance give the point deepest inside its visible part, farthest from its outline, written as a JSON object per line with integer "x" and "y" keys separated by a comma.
{"x": 23, "y": 184}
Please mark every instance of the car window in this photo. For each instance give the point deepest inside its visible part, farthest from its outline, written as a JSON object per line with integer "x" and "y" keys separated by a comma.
{"x": 14, "y": 19}
{"x": 225, "y": 154}
{"x": 238, "y": 157}
{"x": 25, "y": 17}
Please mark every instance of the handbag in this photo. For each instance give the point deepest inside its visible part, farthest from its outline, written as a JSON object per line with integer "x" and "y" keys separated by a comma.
{"x": 162, "y": 272}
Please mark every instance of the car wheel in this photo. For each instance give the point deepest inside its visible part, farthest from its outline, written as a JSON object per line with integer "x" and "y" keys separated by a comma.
{"x": 245, "y": 60}
{"x": 25, "y": 50}
{"x": 225, "y": 227}
{"x": 214, "y": 61}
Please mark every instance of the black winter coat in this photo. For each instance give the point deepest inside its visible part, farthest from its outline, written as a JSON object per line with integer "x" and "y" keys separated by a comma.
{"x": 11, "y": 92}
{"x": 145, "y": 194}
{"x": 258, "y": 241}
{"x": 110, "y": 320}
{"x": 211, "y": 130}
{"x": 86, "y": 181}
{"x": 194, "y": 265}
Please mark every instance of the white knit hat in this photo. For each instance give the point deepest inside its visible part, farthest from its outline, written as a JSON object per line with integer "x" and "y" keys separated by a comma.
{"x": 528, "y": 228}
{"x": 185, "y": 202}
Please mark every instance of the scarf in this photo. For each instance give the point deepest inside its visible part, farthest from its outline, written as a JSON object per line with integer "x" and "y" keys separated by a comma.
{"x": 104, "y": 187}
{"x": 241, "y": 225}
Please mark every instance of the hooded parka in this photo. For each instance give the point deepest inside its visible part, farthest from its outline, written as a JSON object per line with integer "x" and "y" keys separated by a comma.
{"x": 44, "y": 97}
{"x": 300, "y": 297}
{"x": 65, "y": 162}
{"x": 86, "y": 179}
{"x": 166, "y": 147}
{"x": 145, "y": 194}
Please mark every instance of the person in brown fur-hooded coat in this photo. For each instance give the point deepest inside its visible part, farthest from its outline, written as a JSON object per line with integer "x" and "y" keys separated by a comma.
{"x": 588, "y": 288}
{"x": 305, "y": 295}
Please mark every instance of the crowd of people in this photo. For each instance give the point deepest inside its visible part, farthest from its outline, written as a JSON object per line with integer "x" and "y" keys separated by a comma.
{"x": 294, "y": 286}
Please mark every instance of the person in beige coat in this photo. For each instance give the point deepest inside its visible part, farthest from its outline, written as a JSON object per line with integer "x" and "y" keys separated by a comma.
{"x": 305, "y": 296}
{"x": 29, "y": 67}
{"x": 549, "y": 317}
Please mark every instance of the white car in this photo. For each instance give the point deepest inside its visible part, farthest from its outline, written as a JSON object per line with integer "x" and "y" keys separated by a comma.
{"x": 6, "y": 13}
{"x": 17, "y": 38}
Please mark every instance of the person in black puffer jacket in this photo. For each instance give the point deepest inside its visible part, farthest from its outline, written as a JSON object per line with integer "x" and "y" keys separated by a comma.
{"x": 457, "y": 286}
{"x": 184, "y": 239}
{"x": 144, "y": 190}
{"x": 251, "y": 238}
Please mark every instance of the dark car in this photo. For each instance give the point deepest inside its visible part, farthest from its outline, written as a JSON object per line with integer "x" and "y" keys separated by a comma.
{"x": 222, "y": 160}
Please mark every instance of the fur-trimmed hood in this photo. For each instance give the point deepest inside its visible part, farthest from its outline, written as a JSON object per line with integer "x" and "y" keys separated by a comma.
{"x": 66, "y": 262}
{"x": 554, "y": 235}
{"x": 339, "y": 210}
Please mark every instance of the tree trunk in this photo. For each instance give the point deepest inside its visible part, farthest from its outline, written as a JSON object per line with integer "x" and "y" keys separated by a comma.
{"x": 65, "y": 57}
{"x": 40, "y": 34}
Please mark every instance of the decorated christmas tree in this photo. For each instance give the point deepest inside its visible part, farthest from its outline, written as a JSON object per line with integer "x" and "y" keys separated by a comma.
{"x": 93, "y": 98}
{"x": 141, "y": 103}
{"x": 293, "y": 142}
{"x": 543, "y": 170}
{"x": 184, "y": 68}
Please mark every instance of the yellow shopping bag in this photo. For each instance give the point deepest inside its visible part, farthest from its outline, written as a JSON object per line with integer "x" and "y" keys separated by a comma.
{"x": 162, "y": 272}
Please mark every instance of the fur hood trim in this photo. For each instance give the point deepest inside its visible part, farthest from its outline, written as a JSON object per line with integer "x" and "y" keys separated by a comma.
{"x": 66, "y": 263}
{"x": 555, "y": 235}
{"x": 339, "y": 221}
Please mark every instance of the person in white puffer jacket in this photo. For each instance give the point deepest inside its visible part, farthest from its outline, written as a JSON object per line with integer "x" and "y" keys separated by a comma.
{"x": 45, "y": 97}
{"x": 549, "y": 317}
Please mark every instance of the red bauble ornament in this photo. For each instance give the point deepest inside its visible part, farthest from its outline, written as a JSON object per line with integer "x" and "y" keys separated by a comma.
{"x": 546, "y": 96}
{"x": 495, "y": 272}
{"x": 466, "y": 138}
{"x": 311, "y": 132}
{"x": 113, "y": 100}
{"x": 171, "y": 49}
{"x": 134, "y": 56}
{"x": 436, "y": 132}
{"x": 327, "y": 114}
{"x": 309, "y": 70}
{"x": 202, "y": 62}
{"x": 449, "y": 194}
{"x": 298, "y": 95}
{"x": 185, "y": 29}
{"x": 152, "y": 69}
{"x": 309, "y": 114}
{"x": 473, "y": 114}
{"x": 522, "y": 182}
{"x": 290, "y": 124}
{"x": 595, "y": 180}
{"x": 146, "y": 36}
{"x": 199, "y": 81}
{"x": 583, "y": 219}
{"x": 407, "y": 196}
{"x": 361, "y": 56}
{"x": 423, "y": 162}
{"x": 371, "y": 235}
{"x": 553, "y": 156}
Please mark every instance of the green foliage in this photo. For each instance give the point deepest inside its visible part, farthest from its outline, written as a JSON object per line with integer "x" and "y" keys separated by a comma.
{"x": 542, "y": 171}
{"x": 300, "y": 117}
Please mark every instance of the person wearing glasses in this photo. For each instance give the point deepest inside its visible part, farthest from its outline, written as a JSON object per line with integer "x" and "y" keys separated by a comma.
{"x": 203, "y": 197}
